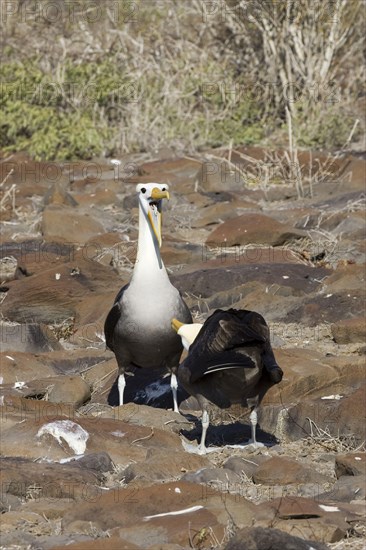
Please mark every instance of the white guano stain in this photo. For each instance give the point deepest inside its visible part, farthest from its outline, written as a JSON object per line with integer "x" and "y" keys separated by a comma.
{"x": 336, "y": 397}
{"x": 329, "y": 508}
{"x": 118, "y": 434}
{"x": 19, "y": 385}
{"x": 74, "y": 435}
{"x": 176, "y": 513}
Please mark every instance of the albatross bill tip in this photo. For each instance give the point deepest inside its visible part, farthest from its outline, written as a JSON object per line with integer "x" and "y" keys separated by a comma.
{"x": 158, "y": 194}
{"x": 176, "y": 324}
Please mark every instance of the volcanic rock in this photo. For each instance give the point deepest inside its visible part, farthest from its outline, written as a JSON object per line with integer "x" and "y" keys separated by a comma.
{"x": 59, "y": 223}
{"x": 258, "y": 538}
{"x": 349, "y": 330}
{"x": 253, "y": 229}
{"x": 351, "y": 464}
{"x": 281, "y": 470}
{"x": 27, "y": 337}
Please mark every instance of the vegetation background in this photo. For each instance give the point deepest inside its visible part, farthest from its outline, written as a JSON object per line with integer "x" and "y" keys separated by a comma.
{"x": 85, "y": 78}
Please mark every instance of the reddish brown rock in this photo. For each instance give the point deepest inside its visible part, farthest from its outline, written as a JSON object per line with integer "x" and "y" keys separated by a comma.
{"x": 182, "y": 171}
{"x": 205, "y": 282}
{"x": 28, "y": 479}
{"x": 77, "y": 361}
{"x": 348, "y": 331}
{"x": 220, "y": 478}
{"x": 15, "y": 409}
{"x": 331, "y": 522}
{"x": 225, "y": 257}
{"x": 338, "y": 414}
{"x": 91, "y": 312}
{"x": 222, "y": 211}
{"x": 96, "y": 462}
{"x": 69, "y": 389}
{"x": 351, "y": 464}
{"x": 100, "y": 197}
{"x": 143, "y": 415}
{"x": 100, "y": 377}
{"x": 306, "y": 373}
{"x": 63, "y": 437}
{"x": 105, "y": 543}
{"x": 282, "y": 471}
{"x": 319, "y": 529}
{"x": 53, "y": 295}
{"x": 61, "y": 223}
{"x": 202, "y": 507}
{"x": 27, "y": 337}
{"x": 311, "y": 374}
{"x": 258, "y": 538}
{"x": 347, "y": 489}
{"x": 240, "y": 466}
{"x": 58, "y": 194}
{"x": 346, "y": 277}
{"x": 36, "y": 256}
{"x": 19, "y": 367}
{"x": 253, "y": 229}
{"x": 164, "y": 465}
{"x": 179, "y": 252}
{"x": 217, "y": 174}
{"x": 328, "y": 307}
{"x": 200, "y": 200}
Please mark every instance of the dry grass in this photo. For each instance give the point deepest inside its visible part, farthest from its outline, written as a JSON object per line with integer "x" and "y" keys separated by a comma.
{"x": 198, "y": 306}
{"x": 338, "y": 444}
{"x": 355, "y": 542}
{"x": 184, "y": 78}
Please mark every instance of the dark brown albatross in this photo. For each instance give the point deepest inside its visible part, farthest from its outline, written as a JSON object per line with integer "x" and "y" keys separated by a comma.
{"x": 230, "y": 361}
{"x": 138, "y": 327}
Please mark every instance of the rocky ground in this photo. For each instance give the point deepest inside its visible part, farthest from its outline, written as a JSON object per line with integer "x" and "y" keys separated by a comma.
{"x": 77, "y": 470}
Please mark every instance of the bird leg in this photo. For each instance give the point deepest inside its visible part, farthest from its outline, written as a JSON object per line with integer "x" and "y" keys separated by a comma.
{"x": 205, "y": 421}
{"x": 253, "y": 421}
{"x": 121, "y": 387}
{"x": 174, "y": 386}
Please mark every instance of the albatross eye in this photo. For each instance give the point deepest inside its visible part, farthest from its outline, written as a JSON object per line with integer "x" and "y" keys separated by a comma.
{"x": 163, "y": 189}
{"x": 143, "y": 190}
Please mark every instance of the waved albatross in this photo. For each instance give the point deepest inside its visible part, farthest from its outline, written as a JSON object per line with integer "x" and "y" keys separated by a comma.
{"x": 138, "y": 327}
{"x": 230, "y": 361}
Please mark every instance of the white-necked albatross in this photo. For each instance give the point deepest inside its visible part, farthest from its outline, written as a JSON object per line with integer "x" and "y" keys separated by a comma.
{"x": 230, "y": 361}
{"x": 138, "y": 327}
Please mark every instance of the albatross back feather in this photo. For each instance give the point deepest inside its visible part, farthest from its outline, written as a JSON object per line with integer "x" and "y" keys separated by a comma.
{"x": 226, "y": 341}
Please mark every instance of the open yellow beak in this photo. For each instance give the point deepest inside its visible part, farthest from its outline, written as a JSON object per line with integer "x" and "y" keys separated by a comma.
{"x": 158, "y": 194}
{"x": 176, "y": 324}
{"x": 155, "y": 218}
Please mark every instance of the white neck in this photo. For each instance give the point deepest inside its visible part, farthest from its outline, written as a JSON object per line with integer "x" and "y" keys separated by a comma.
{"x": 149, "y": 265}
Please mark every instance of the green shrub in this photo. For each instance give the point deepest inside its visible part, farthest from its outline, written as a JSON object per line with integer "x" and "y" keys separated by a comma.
{"x": 326, "y": 128}
{"x": 54, "y": 119}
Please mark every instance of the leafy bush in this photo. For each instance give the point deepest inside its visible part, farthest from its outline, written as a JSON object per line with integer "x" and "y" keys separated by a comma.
{"x": 43, "y": 117}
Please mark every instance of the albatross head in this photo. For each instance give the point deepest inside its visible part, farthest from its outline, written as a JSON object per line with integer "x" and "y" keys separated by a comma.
{"x": 188, "y": 333}
{"x": 150, "y": 199}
